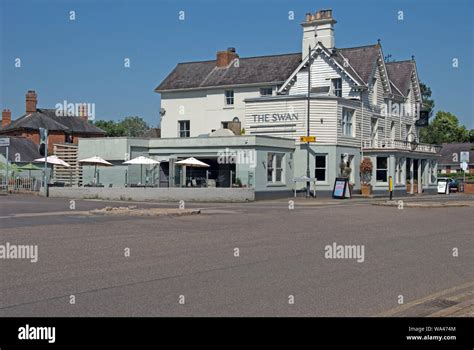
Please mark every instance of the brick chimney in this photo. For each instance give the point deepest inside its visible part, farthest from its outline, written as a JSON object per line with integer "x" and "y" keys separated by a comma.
{"x": 6, "y": 117}
{"x": 31, "y": 101}
{"x": 318, "y": 27}
{"x": 224, "y": 58}
{"x": 83, "y": 112}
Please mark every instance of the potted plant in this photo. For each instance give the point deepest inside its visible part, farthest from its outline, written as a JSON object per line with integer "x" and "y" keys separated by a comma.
{"x": 366, "y": 168}
{"x": 238, "y": 182}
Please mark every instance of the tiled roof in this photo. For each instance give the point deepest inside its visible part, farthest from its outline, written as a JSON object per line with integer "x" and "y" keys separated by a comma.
{"x": 47, "y": 118}
{"x": 251, "y": 70}
{"x": 399, "y": 74}
{"x": 25, "y": 148}
{"x": 273, "y": 69}
{"x": 449, "y": 149}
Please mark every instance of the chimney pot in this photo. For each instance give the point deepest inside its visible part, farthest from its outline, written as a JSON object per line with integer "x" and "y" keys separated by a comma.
{"x": 6, "y": 117}
{"x": 31, "y": 101}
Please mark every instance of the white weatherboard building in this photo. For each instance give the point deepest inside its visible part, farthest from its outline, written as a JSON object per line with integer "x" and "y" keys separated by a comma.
{"x": 359, "y": 106}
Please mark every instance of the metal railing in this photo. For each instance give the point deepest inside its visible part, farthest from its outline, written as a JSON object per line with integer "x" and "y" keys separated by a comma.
{"x": 20, "y": 184}
{"x": 400, "y": 145}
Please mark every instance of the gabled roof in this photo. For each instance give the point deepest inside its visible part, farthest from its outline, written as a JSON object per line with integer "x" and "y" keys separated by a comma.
{"x": 47, "y": 118}
{"x": 400, "y": 73}
{"x": 360, "y": 59}
{"x": 26, "y": 148}
{"x": 357, "y": 62}
{"x": 251, "y": 70}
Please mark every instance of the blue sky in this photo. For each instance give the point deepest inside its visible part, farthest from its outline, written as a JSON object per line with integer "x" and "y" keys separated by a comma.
{"x": 83, "y": 60}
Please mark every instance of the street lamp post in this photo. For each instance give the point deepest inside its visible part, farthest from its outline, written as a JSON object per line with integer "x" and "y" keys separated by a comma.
{"x": 308, "y": 173}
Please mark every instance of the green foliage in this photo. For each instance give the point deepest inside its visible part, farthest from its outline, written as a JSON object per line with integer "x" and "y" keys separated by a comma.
{"x": 131, "y": 126}
{"x": 444, "y": 128}
{"x": 134, "y": 126}
{"x": 428, "y": 102}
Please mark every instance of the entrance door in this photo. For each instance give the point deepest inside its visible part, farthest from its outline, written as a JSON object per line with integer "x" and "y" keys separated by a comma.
{"x": 164, "y": 174}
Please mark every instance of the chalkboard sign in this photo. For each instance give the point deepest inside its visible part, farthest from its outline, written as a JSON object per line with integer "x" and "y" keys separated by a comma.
{"x": 341, "y": 188}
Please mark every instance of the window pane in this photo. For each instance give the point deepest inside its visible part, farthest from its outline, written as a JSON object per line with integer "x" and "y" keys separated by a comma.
{"x": 270, "y": 160}
{"x": 321, "y": 174}
{"x": 381, "y": 162}
{"x": 266, "y": 91}
{"x": 381, "y": 175}
{"x": 269, "y": 175}
{"x": 320, "y": 161}
{"x": 279, "y": 159}
{"x": 278, "y": 175}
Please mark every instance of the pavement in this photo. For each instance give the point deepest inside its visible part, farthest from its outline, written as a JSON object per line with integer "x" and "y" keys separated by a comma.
{"x": 237, "y": 259}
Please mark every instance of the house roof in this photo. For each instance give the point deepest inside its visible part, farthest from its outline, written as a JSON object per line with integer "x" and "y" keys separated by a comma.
{"x": 360, "y": 59}
{"x": 47, "y": 118}
{"x": 399, "y": 74}
{"x": 25, "y": 148}
{"x": 250, "y": 70}
{"x": 448, "y": 149}
{"x": 357, "y": 61}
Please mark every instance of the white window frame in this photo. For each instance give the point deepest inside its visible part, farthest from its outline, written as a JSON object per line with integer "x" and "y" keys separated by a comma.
{"x": 325, "y": 181}
{"x": 229, "y": 97}
{"x": 188, "y": 131}
{"x": 400, "y": 171}
{"x": 336, "y": 90}
{"x": 347, "y": 122}
{"x": 272, "y": 166}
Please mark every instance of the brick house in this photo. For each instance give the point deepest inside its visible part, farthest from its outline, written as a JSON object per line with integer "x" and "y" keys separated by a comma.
{"x": 62, "y": 128}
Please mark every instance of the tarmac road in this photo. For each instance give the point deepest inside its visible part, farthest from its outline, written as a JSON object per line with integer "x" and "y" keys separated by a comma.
{"x": 281, "y": 254}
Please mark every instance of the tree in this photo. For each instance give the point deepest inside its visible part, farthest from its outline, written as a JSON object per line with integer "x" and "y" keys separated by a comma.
{"x": 471, "y": 135}
{"x": 130, "y": 126}
{"x": 111, "y": 128}
{"x": 134, "y": 126}
{"x": 428, "y": 102}
{"x": 444, "y": 128}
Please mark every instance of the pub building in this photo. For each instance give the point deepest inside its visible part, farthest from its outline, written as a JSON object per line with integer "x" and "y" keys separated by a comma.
{"x": 353, "y": 102}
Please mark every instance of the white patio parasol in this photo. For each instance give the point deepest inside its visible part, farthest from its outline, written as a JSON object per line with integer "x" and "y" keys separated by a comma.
{"x": 96, "y": 160}
{"x": 53, "y": 160}
{"x": 193, "y": 162}
{"x": 141, "y": 160}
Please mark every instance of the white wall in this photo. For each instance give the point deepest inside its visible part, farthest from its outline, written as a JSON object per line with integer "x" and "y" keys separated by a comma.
{"x": 206, "y": 109}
